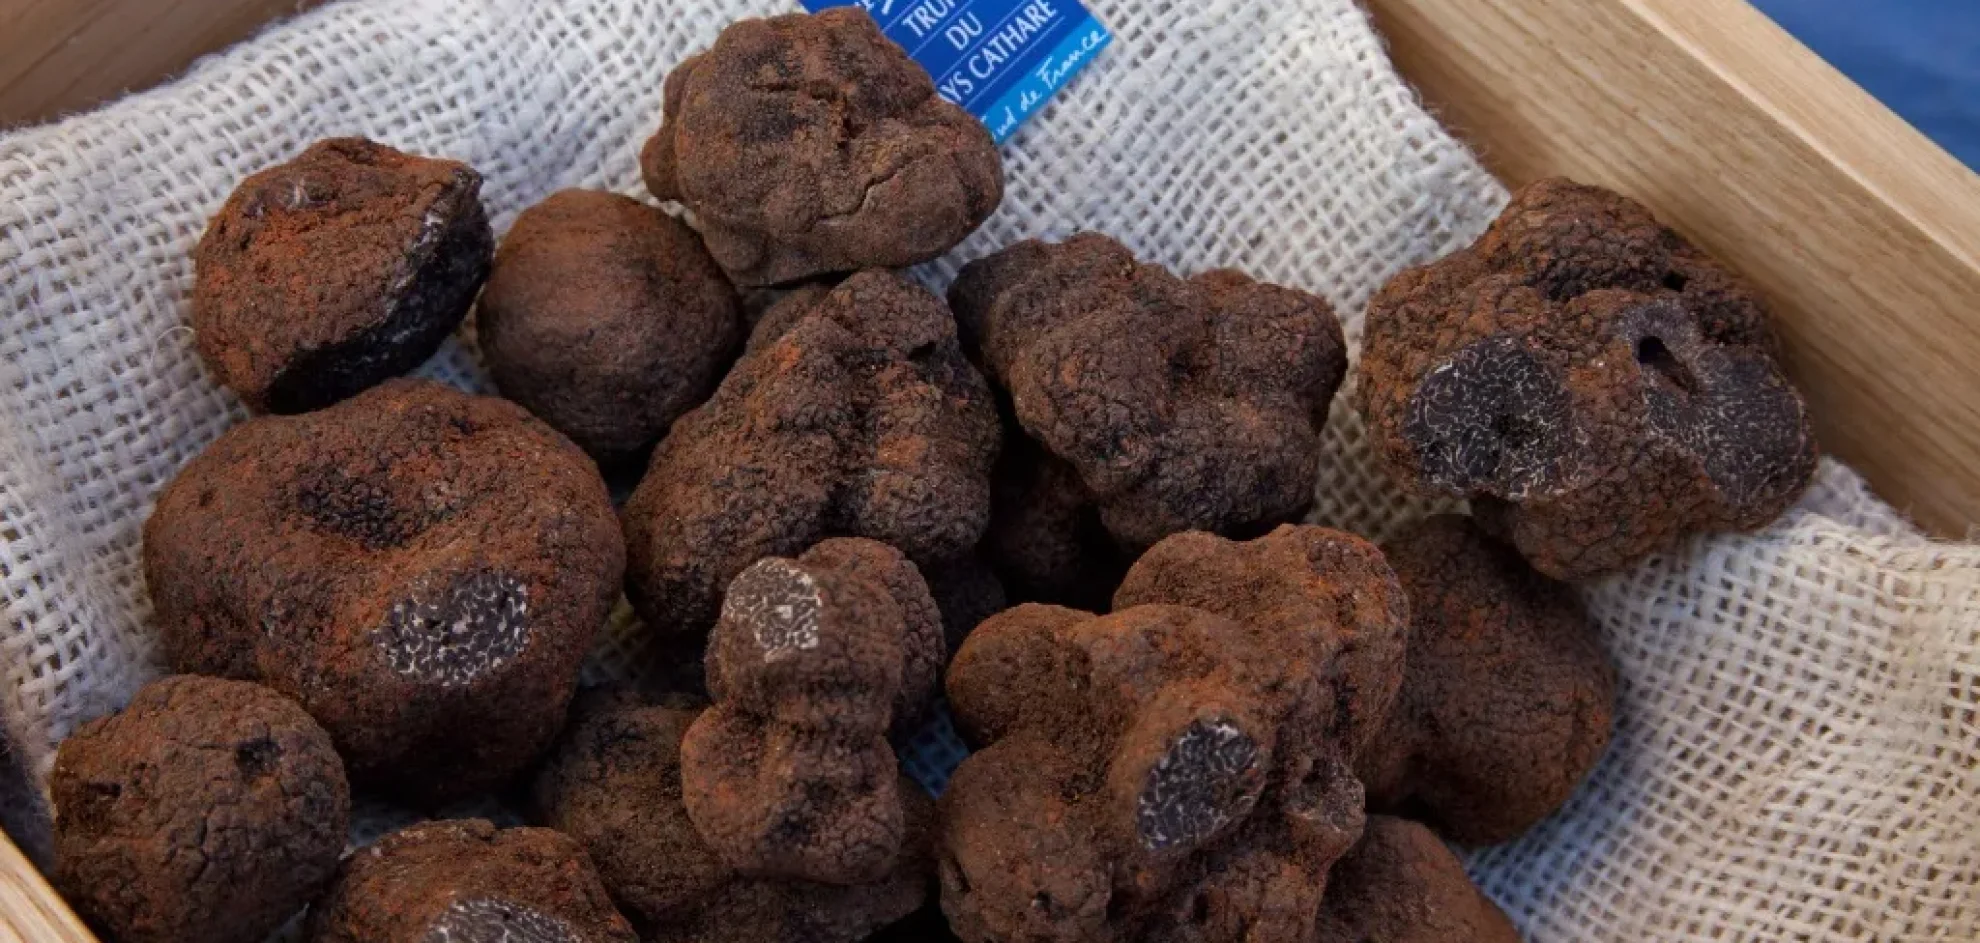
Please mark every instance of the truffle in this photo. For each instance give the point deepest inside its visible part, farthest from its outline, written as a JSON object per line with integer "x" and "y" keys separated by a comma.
{"x": 1046, "y": 540}
{"x": 1597, "y": 387}
{"x": 607, "y": 319}
{"x": 967, "y": 591}
{"x": 1181, "y": 405}
{"x": 614, "y": 783}
{"x": 860, "y": 419}
{"x": 466, "y": 881}
{"x": 422, "y": 569}
{"x": 207, "y": 810}
{"x": 1401, "y": 885}
{"x": 814, "y": 660}
{"x": 342, "y": 268}
{"x": 1162, "y": 773}
{"x": 811, "y": 144}
{"x": 1507, "y": 697}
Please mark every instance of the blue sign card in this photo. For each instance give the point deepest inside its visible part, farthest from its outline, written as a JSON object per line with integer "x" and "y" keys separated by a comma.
{"x": 999, "y": 59}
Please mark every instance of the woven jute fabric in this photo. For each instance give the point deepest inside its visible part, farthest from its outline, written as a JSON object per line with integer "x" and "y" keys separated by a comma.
{"x": 1797, "y": 753}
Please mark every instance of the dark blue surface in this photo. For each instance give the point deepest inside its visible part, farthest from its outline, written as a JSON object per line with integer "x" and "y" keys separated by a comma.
{"x": 1922, "y": 57}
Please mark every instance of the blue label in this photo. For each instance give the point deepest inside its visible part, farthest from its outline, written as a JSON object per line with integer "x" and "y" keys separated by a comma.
{"x": 999, "y": 59}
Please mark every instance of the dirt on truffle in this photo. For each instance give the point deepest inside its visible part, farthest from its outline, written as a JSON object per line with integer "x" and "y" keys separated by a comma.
{"x": 811, "y": 144}
{"x": 1401, "y": 885}
{"x": 342, "y": 268}
{"x": 422, "y": 569}
{"x": 607, "y": 319}
{"x": 1594, "y": 384}
{"x": 206, "y": 810}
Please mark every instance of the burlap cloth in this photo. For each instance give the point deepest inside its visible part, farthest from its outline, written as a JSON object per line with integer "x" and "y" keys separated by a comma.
{"x": 1795, "y": 755}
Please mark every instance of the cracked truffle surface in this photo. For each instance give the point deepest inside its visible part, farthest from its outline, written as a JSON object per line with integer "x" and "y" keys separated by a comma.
{"x": 1181, "y": 405}
{"x": 1401, "y": 885}
{"x": 466, "y": 881}
{"x": 207, "y": 809}
{"x": 814, "y": 660}
{"x": 1594, "y": 384}
{"x": 333, "y": 272}
{"x": 854, "y": 414}
{"x": 812, "y": 144}
{"x": 1162, "y": 774}
{"x": 607, "y": 319}
{"x": 423, "y": 570}
{"x": 614, "y": 782}
{"x": 1507, "y": 699}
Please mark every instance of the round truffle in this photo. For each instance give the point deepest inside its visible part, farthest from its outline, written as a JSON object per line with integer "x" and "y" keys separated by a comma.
{"x": 422, "y": 569}
{"x": 811, "y": 144}
{"x": 345, "y": 267}
{"x": 206, "y": 810}
{"x": 466, "y": 881}
{"x": 1401, "y": 885}
{"x": 607, "y": 319}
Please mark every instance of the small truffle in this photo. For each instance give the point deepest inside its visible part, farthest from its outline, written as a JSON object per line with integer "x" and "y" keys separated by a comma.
{"x": 614, "y": 783}
{"x": 466, "y": 881}
{"x": 861, "y": 418}
{"x": 1182, "y": 405}
{"x": 814, "y": 660}
{"x": 422, "y": 569}
{"x": 1507, "y": 699}
{"x": 811, "y": 144}
{"x": 607, "y": 319}
{"x": 1597, "y": 387}
{"x": 1401, "y": 885}
{"x": 336, "y": 271}
{"x": 208, "y": 810}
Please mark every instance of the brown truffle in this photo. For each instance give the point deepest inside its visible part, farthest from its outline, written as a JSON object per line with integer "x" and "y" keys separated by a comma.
{"x": 422, "y": 569}
{"x": 607, "y": 319}
{"x": 1596, "y": 386}
{"x": 1401, "y": 885}
{"x": 614, "y": 784}
{"x": 208, "y": 810}
{"x": 1159, "y": 774}
{"x": 466, "y": 881}
{"x": 1507, "y": 701}
{"x": 1182, "y": 405}
{"x": 814, "y": 660}
{"x": 860, "y": 419}
{"x": 342, "y": 268}
{"x": 806, "y": 145}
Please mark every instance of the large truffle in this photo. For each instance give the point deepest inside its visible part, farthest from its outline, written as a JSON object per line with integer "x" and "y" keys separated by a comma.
{"x": 806, "y": 145}
{"x": 607, "y": 318}
{"x": 1596, "y": 386}
{"x": 466, "y": 881}
{"x": 814, "y": 660}
{"x": 207, "y": 810}
{"x": 1401, "y": 885}
{"x": 422, "y": 569}
{"x": 614, "y": 784}
{"x": 335, "y": 271}
{"x": 1182, "y": 405}
{"x": 853, "y": 414}
{"x": 1507, "y": 699}
{"x": 1162, "y": 774}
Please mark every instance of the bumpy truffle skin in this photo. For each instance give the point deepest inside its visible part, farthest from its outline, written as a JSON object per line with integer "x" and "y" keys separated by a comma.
{"x": 853, "y": 414}
{"x": 1507, "y": 699}
{"x": 607, "y": 319}
{"x": 806, "y": 145}
{"x": 1401, "y": 885}
{"x": 614, "y": 784}
{"x": 466, "y": 881}
{"x": 1182, "y": 405}
{"x": 345, "y": 267}
{"x": 422, "y": 569}
{"x": 1161, "y": 774}
{"x": 789, "y": 774}
{"x": 207, "y": 810}
{"x": 1595, "y": 385}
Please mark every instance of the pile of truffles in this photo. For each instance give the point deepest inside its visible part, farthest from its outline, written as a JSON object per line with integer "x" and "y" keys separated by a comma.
{"x": 1204, "y": 722}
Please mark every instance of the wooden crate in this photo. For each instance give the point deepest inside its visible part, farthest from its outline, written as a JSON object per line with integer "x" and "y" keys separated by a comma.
{"x": 1864, "y": 233}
